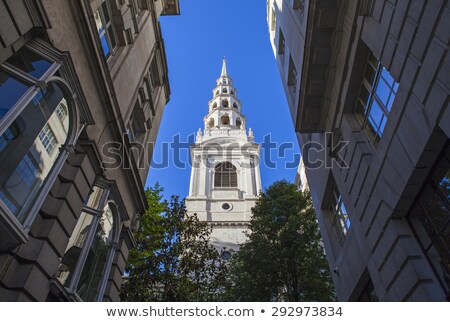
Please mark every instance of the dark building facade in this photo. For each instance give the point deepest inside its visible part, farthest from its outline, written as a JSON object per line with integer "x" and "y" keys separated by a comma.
{"x": 83, "y": 85}
{"x": 376, "y": 75}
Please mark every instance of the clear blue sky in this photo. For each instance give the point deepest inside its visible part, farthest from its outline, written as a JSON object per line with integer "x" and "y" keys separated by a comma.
{"x": 196, "y": 42}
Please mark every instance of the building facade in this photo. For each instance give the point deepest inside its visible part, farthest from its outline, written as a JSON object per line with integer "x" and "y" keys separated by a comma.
{"x": 83, "y": 85}
{"x": 225, "y": 176}
{"x": 367, "y": 83}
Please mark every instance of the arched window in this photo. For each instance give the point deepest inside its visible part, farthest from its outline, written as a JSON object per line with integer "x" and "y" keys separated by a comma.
{"x": 36, "y": 121}
{"x": 225, "y": 175}
{"x": 225, "y": 103}
{"x": 211, "y": 123}
{"x": 86, "y": 263}
{"x": 238, "y": 123}
{"x": 224, "y": 90}
{"x": 232, "y": 92}
{"x": 215, "y": 105}
{"x": 225, "y": 120}
{"x": 235, "y": 105}
{"x": 217, "y": 92}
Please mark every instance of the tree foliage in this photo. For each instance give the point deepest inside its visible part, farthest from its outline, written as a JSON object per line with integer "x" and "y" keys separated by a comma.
{"x": 283, "y": 259}
{"x": 173, "y": 259}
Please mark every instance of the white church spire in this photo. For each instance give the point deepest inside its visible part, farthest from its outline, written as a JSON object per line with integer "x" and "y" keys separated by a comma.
{"x": 225, "y": 176}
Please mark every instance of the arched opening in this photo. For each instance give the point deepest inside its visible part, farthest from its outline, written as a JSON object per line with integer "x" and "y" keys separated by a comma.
{"x": 232, "y": 92}
{"x": 211, "y": 123}
{"x": 235, "y": 105}
{"x": 225, "y": 175}
{"x": 225, "y": 103}
{"x": 238, "y": 123}
{"x": 217, "y": 92}
{"x": 215, "y": 105}
{"x": 224, "y": 90}
{"x": 225, "y": 120}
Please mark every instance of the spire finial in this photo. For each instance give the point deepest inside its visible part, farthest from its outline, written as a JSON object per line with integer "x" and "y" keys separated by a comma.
{"x": 224, "y": 67}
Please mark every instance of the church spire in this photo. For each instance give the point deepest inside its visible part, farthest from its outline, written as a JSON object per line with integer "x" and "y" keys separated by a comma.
{"x": 224, "y": 67}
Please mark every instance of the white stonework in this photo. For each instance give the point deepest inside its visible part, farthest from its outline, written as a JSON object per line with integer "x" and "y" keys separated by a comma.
{"x": 222, "y": 198}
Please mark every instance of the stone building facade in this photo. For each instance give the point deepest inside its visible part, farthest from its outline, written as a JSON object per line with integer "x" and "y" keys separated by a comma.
{"x": 225, "y": 176}
{"x": 376, "y": 75}
{"x": 83, "y": 85}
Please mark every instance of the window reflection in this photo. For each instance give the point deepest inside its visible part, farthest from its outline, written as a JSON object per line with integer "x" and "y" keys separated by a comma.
{"x": 93, "y": 270}
{"x": 29, "y": 147}
{"x": 375, "y": 99}
{"x": 11, "y": 90}
{"x": 30, "y": 62}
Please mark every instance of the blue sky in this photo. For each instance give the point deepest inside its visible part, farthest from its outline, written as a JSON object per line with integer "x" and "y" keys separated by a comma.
{"x": 196, "y": 42}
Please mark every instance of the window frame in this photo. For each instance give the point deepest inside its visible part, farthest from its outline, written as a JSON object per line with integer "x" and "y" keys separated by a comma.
{"x": 233, "y": 183}
{"x": 374, "y": 134}
{"x": 292, "y": 77}
{"x": 106, "y": 26}
{"x": 69, "y": 85}
{"x": 339, "y": 217}
{"x": 107, "y": 197}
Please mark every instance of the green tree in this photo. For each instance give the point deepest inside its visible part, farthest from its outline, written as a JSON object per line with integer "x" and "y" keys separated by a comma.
{"x": 283, "y": 258}
{"x": 173, "y": 259}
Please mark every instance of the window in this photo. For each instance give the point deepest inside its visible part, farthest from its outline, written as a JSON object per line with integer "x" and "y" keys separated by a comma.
{"x": 135, "y": 11}
{"x": 86, "y": 263}
{"x": 34, "y": 125}
{"x": 368, "y": 293}
{"x": 299, "y": 6}
{"x": 225, "y": 103}
{"x": 235, "y": 105}
{"x": 292, "y": 77}
{"x": 430, "y": 219}
{"x": 375, "y": 99}
{"x": 154, "y": 74}
{"x": 215, "y": 105}
{"x": 281, "y": 44}
{"x": 211, "y": 123}
{"x": 225, "y": 175}
{"x": 105, "y": 29}
{"x": 224, "y": 90}
{"x": 340, "y": 220}
{"x": 238, "y": 123}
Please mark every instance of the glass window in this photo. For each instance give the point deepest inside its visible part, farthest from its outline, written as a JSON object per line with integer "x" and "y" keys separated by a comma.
{"x": 11, "y": 90}
{"x": 292, "y": 77}
{"x": 225, "y": 175}
{"x": 92, "y": 274}
{"x": 299, "y": 6}
{"x": 154, "y": 74}
{"x": 430, "y": 219}
{"x": 29, "y": 145}
{"x": 105, "y": 29}
{"x": 375, "y": 99}
{"x": 281, "y": 43}
{"x": 340, "y": 219}
{"x": 30, "y": 62}
{"x": 83, "y": 268}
